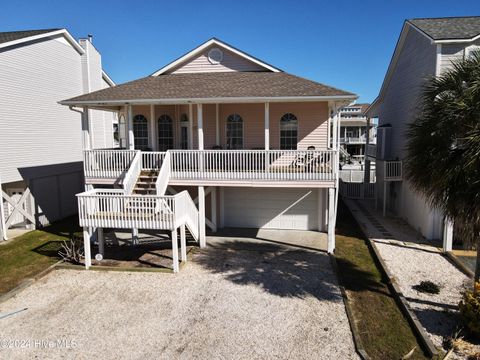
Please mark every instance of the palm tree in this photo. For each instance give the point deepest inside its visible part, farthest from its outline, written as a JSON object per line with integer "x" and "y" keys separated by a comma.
{"x": 443, "y": 148}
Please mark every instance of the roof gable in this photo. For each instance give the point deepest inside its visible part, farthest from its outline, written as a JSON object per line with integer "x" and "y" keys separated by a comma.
{"x": 231, "y": 59}
{"x": 12, "y": 38}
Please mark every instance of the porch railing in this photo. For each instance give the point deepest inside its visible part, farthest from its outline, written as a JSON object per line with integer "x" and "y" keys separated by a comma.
{"x": 281, "y": 165}
{"x": 163, "y": 176}
{"x": 105, "y": 164}
{"x": 111, "y": 208}
{"x": 132, "y": 174}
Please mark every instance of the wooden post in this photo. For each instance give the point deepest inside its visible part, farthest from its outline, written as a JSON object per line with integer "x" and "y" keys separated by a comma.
{"x": 86, "y": 247}
{"x": 134, "y": 236}
{"x": 201, "y": 215}
{"x": 3, "y": 229}
{"x": 222, "y": 207}
{"x": 217, "y": 125}
{"x": 190, "y": 125}
{"x": 331, "y": 221}
{"x": 447, "y": 234}
{"x": 213, "y": 199}
{"x": 101, "y": 241}
{"x": 130, "y": 135}
{"x": 200, "y": 126}
{"x": 175, "y": 251}
{"x": 183, "y": 244}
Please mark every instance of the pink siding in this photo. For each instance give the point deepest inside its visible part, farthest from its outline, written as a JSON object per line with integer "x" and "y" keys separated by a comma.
{"x": 312, "y": 123}
{"x": 230, "y": 62}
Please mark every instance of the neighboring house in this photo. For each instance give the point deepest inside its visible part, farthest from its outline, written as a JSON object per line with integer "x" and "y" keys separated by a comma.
{"x": 40, "y": 142}
{"x": 425, "y": 49}
{"x": 221, "y": 123}
{"x": 353, "y": 131}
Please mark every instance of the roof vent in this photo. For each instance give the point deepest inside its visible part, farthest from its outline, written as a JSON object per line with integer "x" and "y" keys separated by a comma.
{"x": 215, "y": 56}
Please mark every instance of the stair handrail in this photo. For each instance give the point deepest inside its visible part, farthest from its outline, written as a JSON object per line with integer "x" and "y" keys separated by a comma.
{"x": 133, "y": 173}
{"x": 163, "y": 176}
{"x": 186, "y": 212}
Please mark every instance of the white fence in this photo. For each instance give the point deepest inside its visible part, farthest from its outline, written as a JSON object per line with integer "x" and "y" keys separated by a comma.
{"x": 355, "y": 175}
{"x": 393, "y": 170}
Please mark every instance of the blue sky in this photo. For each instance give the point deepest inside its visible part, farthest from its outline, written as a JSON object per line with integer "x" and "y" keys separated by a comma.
{"x": 347, "y": 44}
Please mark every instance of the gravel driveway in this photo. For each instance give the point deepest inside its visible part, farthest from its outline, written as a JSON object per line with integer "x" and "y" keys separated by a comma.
{"x": 237, "y": 299}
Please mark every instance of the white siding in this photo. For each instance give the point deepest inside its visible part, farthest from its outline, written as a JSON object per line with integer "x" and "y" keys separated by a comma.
{"x": 399, "y": 107}
{"x": 450, "y": 53}
{"x": 34, "y": 129}
{"x": 230, "y": 62}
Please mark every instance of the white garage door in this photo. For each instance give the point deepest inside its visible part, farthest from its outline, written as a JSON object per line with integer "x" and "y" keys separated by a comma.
{"x": 271, "y": 208}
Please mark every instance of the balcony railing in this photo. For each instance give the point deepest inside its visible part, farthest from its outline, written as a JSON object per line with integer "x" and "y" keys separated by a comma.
{"x": 353, "y": 140}
{"x": 393, "y": 171}
{"x": 220, "y": 165}
{"x": 252, "y": 165}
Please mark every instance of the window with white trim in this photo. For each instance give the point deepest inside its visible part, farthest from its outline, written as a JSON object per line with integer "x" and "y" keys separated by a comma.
{"x": 165, "y": 133}
{"x": 234, "y": 132}
{"x": 288, "y": 132}
{"x": 140, "y": 132}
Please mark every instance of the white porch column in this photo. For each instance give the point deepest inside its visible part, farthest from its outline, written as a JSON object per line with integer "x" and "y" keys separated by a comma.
{"x": 217, "y": 124}
{"x": 366, "y": 175}
{"x": 190, "y": 126}
{"x": 334, "y": 129}
{"x": 320, "y": 210}
{"x": 267, "y": 126}
{"x": 130, "y": 135}
{"x": 201, "y": 215}
{"x": 200, "y": 126}
{"x": 152, "y": 137}
{"x": 101, "y": 241}
{"x": 447, "y": 234}
{"x": 213, "y": 198}
{"x": 86, "y": 247}
{"x": 331, "y": 221}
{"x": 175, "y": 251}
{"x": 222, "y": 207}
{"x": 86, "y": 139}
{"x": 183, "y": 244}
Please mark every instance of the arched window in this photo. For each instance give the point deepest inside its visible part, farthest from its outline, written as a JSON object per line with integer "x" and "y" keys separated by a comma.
{"x": 140, "y": 132}
{"x": 184, "y": 123}
{"x": 234, "y": 132}
{"x": 288, "y": 132}
{"x": 165, "y": 133}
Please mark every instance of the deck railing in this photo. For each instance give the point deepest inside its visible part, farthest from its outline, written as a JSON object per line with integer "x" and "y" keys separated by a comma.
{"x": 393, "y": 171}
{"x": 107, "y": 164}
{"x": 186, "y": 213}
{"x": 152, "y": 160}
{"x": 280, "y": 165}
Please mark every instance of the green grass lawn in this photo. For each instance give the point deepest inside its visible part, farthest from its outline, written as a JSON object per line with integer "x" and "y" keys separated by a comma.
{"x": 29, "y": 254}
{"x": 384, "y": 331}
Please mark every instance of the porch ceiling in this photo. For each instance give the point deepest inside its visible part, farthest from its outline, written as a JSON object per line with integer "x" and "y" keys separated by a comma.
{"x": 213, "y": 87}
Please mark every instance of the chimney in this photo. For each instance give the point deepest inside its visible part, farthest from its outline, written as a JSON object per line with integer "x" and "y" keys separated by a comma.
{"x": 90, "y": 38}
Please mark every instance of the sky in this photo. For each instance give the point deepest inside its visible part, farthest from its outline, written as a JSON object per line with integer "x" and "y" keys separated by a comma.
{"x": 345, "y": 44}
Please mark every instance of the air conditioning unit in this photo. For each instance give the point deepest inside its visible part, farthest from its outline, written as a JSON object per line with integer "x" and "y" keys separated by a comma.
{"x": 384, "y": 141}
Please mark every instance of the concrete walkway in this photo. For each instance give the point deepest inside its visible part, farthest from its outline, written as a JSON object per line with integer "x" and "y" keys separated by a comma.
{"x": 411, "y": 259}
{"x": 239, "y": 298}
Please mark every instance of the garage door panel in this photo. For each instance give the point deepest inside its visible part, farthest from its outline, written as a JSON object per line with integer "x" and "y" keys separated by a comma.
{"x": 271, "y": 208}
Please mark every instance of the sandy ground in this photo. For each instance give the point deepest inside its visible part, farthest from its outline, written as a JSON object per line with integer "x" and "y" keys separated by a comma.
{"x": 410, "y": 259}
{"x": 234, "y": 300}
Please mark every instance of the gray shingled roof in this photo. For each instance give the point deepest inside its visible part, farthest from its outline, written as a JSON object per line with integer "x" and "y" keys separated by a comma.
{"x": 16, "y": 35}
{"x": 211, "y": 85}
{"x": 449, "y": 28}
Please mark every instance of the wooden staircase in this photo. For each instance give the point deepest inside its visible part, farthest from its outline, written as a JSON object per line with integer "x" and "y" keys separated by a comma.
{"x": 145, "y": 184}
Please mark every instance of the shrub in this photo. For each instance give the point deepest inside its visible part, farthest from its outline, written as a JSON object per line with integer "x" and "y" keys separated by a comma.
{"x": 470, "y": 309}
{"x": 427, "y": 287}
{"x": 72, "y": 251}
